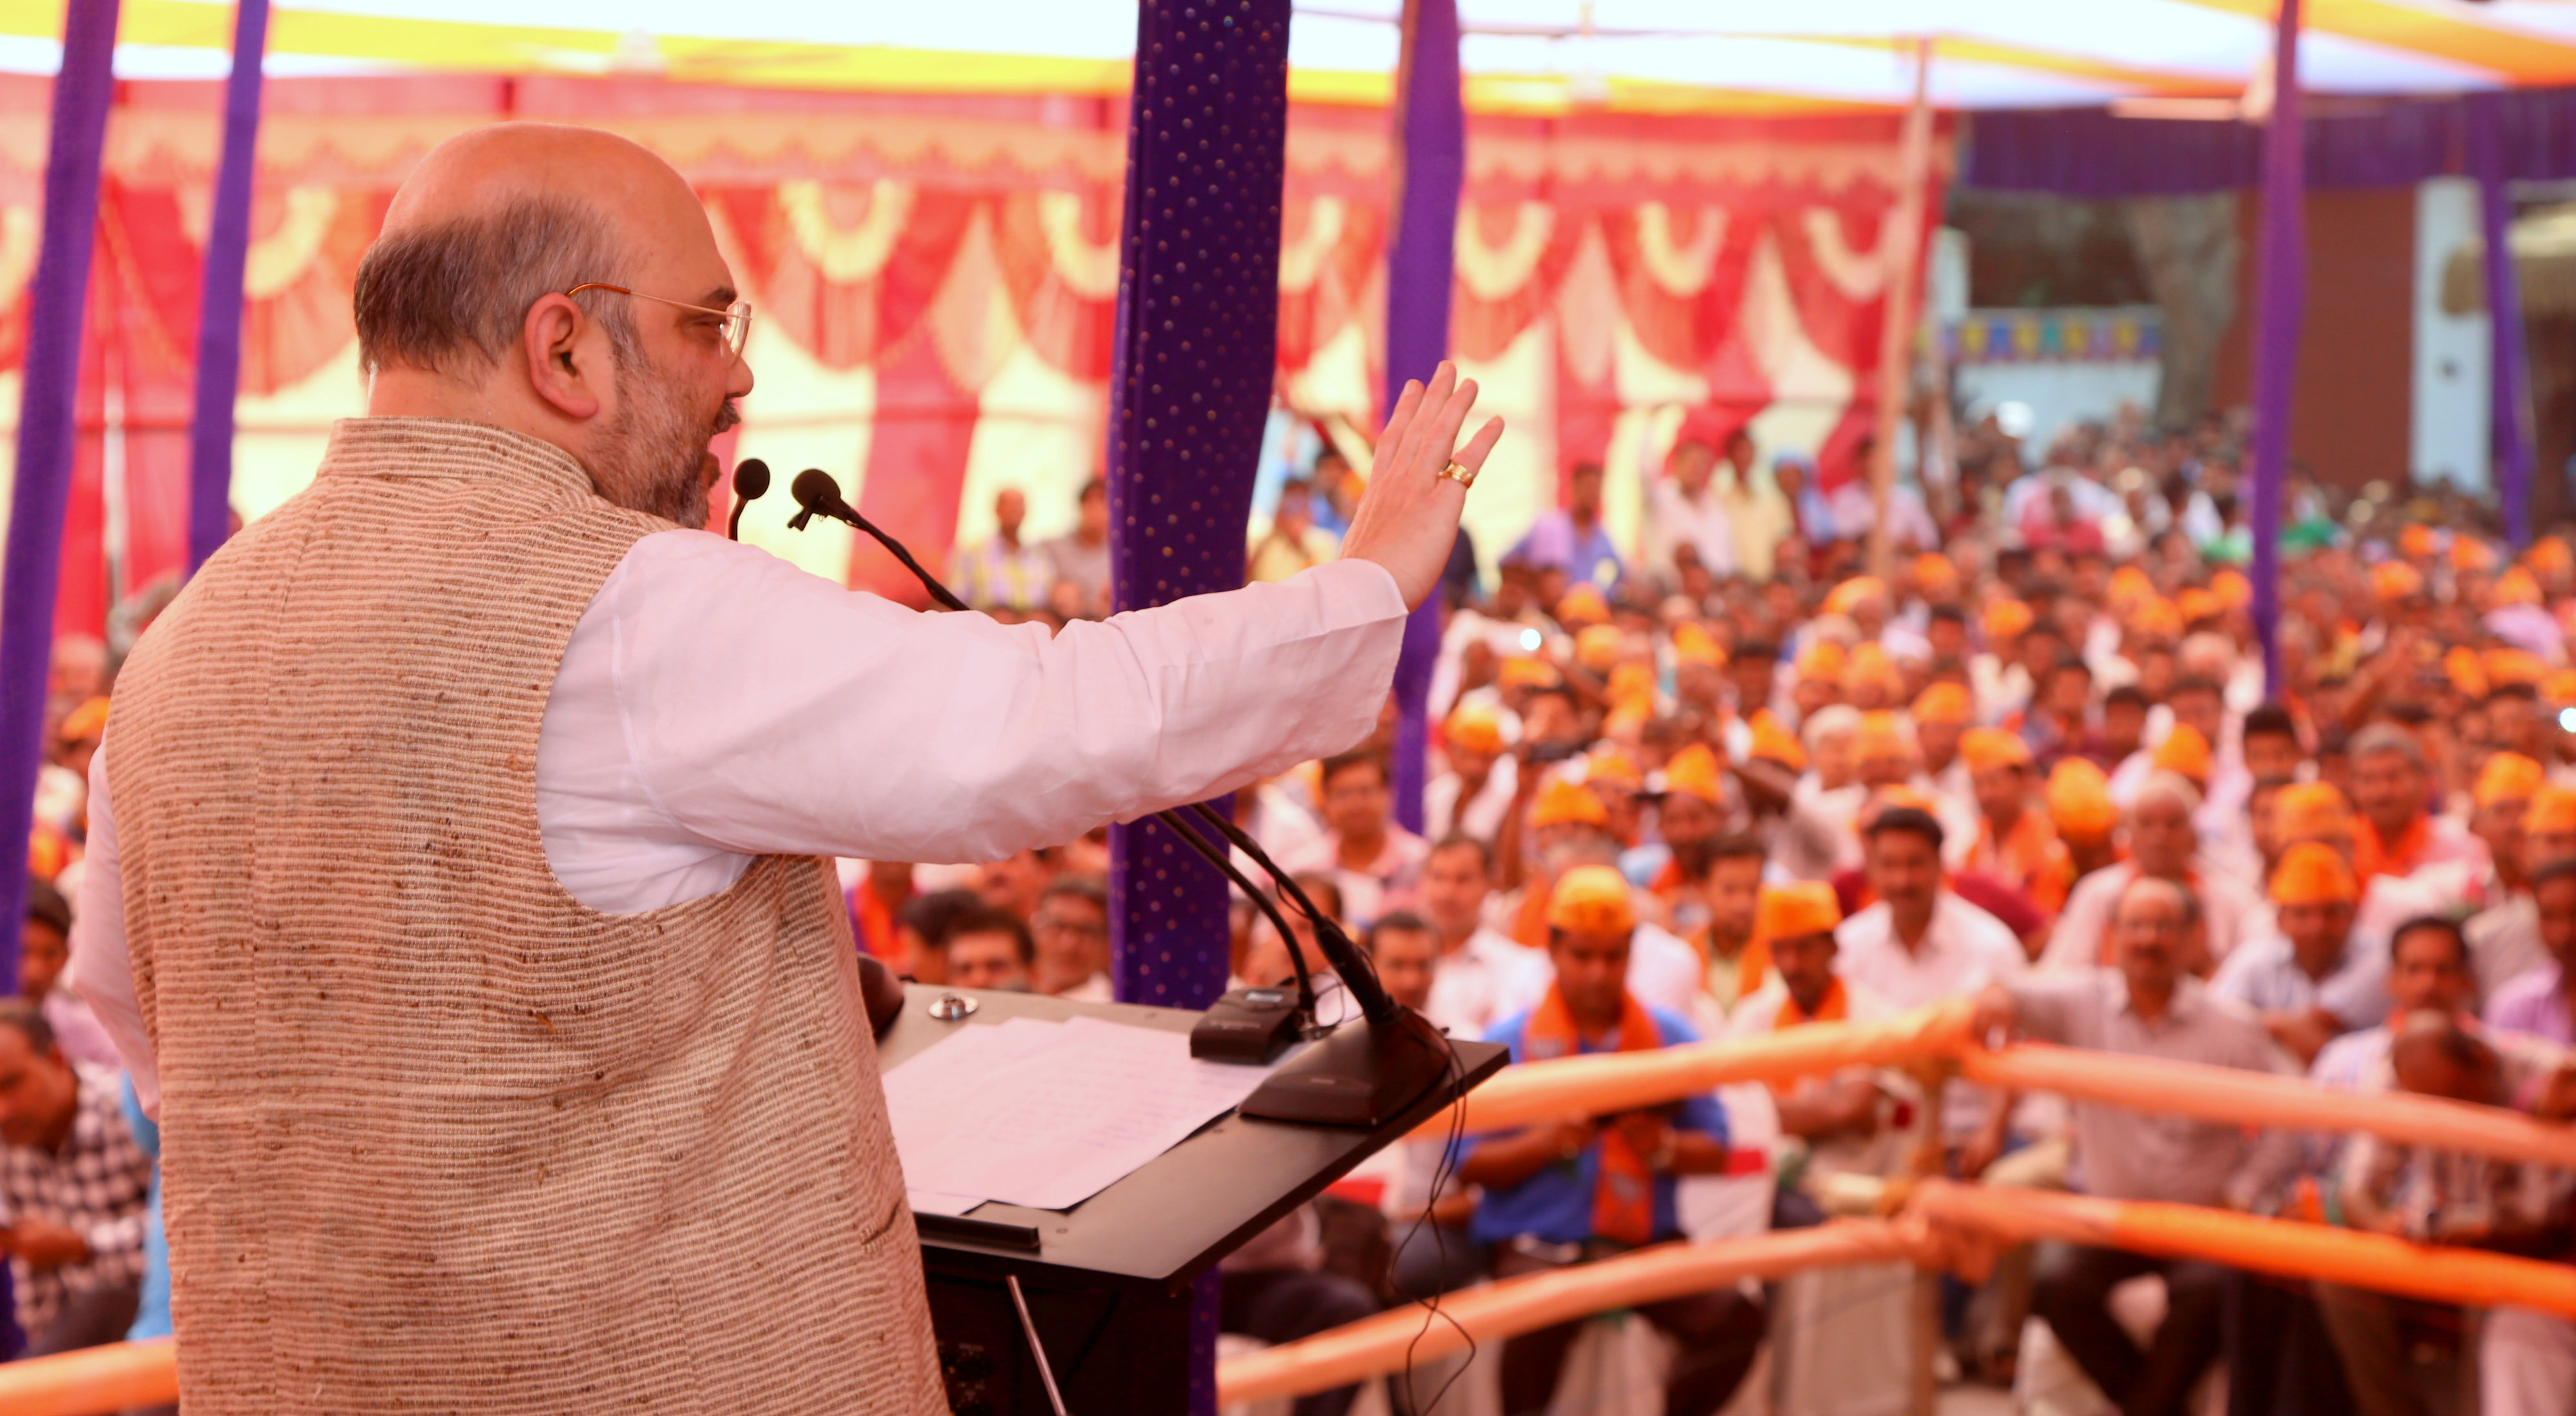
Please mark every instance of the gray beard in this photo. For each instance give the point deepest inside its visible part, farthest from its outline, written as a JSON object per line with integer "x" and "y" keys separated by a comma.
{"x": 652, "y": 456}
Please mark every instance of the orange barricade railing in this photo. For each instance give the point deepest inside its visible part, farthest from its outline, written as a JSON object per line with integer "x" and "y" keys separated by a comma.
{"x": 96, "y": 1380}
{"x": 142, "y": 1374}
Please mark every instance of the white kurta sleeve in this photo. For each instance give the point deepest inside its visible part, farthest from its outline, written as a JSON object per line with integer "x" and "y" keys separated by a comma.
{"x": 768, "y": 710}
{"x": 102, "y": 972}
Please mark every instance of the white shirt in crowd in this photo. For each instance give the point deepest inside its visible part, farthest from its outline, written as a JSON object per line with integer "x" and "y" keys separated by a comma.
{"x": 716, "y": 704}
{"x": 1700, "y": 522}
{"x": 1962, "y": 950}
{"x": 1485, "y": 980}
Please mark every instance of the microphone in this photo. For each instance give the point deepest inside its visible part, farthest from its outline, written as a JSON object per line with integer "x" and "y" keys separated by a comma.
{"x": 750, "y": 480}
{"x": 818, "y": 495}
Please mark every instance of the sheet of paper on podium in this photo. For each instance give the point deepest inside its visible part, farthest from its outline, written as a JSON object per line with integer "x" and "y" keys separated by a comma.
{"x": 1049, "y": 1114}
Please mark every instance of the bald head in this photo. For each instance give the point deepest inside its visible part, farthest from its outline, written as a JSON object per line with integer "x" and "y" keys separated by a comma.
{"x": 464, "y": 308}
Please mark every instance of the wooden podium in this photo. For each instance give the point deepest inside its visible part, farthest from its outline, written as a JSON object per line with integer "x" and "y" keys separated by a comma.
{"x": 1108, "y": 1281}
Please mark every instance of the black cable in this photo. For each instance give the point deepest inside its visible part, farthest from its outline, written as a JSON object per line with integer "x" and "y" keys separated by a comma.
{"x": 1360, "y": 975}
{"x": 1296, "y": 957}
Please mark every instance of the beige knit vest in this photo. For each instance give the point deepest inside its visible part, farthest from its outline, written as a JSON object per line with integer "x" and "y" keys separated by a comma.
{"x": 435, "y": 1136}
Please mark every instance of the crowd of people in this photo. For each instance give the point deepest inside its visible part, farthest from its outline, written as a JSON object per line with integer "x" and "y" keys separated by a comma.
{"x": 1723, "y": 782}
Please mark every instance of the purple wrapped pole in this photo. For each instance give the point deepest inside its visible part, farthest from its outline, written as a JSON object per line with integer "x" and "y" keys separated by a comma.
{"x": 1189, "y": 391}
{"x": 1430, "y": 162}
{"x": 82, "y": 92}
{"x": 219, "y": 305}
{"x": 2283, "y": 301}
{"x": 2509, "y": 388}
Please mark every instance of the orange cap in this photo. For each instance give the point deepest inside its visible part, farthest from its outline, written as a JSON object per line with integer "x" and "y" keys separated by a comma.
{"x": 2549, "y": 556}
{"x": 2196, "y": 604}
{"x": 1632, "y": 685}
{"x": 1986, "y": 748}
{"x": 2311, "y": 874}
{"x": 1615, "y": 767}
{"x": 1776, "y": 743}
{"x": 1693, "y": 772}
{"x": 1591, "y": 899}
{"x": 1564, "y": 803}
{"x": 1822, "y": 659}
{"x": 2471, "y": 553}
{"x": 1597, "y": 647}
{"x": 2415, "y": 542}
{"x": 2466, "y": 671}
{"x": 2079, "y": 801}
{"x": 2157, "y": 618}
{"x": 1881, "y": 732}
{"x": 2516, "y": 587}
{"x": 2232, "y": 589}
{"x": 2514, "y": 668}
{"x": 2006, "y": 619}
{"x": 2395, "y": 580}
{"x": 2185, "y": 751}
{"x": 1869, "y": 664}
{"x": 1693, "y": 644}
{"x": 2552, "y": 810}
{"x": 1584, "y": 604}
{"x": 2130, "y": 585}
{"x": 1796, "y": 910}
{"x": 1842, "y": 598}
{"x": 1942, "y": 703}
{"x": 2559, "y": 686}
{"x": 87, "y": 721}
{"x": 2309, "y": 809}
{"x": 1931, "y": 568}
{"x": 1528, "y": 671}
{"x": 2508, "y": 776}
{"x": 1475, "y": 729}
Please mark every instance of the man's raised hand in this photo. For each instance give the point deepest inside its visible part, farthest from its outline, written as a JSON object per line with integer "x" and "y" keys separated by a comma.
{"x": 1409, "y": 517}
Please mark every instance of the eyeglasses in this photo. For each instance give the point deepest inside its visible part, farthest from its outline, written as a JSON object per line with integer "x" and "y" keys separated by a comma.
{"x": 737, "y": 316}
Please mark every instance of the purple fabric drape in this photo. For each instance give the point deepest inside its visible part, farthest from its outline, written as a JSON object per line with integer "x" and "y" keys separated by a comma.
{"x": 219, "y": 308}
{"x": 1430, "y": 163}
{"x": 2281, "y": 302}
{"x": 2393, "y": 142}
{"x": 82, "y": 91}
{"x": 2508, "y": 397}
{"x": 1189, "y": 392}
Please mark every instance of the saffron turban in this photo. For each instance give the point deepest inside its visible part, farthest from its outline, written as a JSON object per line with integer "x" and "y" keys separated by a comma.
{"x": 2079, "y": 801}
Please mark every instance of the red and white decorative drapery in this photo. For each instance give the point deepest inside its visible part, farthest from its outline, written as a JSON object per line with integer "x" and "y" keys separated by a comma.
{"x": 936, "y": 282}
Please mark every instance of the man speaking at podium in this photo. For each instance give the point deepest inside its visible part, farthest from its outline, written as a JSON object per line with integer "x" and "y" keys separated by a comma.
{"x": 454, "y": 893}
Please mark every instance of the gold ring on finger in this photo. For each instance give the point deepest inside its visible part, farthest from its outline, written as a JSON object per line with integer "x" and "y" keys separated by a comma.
{"x": 1463, "y": 476}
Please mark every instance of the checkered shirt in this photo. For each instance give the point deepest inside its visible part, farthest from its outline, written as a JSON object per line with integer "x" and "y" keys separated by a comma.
{"x": 97, "y": 1184}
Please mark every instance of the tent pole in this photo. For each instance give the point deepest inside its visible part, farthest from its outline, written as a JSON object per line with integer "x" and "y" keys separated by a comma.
{"x": 1430, "y": 163}
{"x": 1896, "y": 336}
{"x": 1195, "y": 348}
{"x": 83, "y": 90}
{"x": 219, "y": 305}
{"x": 2282, "y": 301}
{"x": 2509, "y": 381}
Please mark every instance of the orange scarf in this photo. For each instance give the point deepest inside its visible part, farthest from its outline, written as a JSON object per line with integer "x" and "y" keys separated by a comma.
{"x": 1836, "y": 1008}
{"x": 1623, "y": 1190}
{"x": 2399, "y": 857}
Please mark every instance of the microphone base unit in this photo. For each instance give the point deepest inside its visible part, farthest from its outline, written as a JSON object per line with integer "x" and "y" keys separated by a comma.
{"x": 1363, "y": 1074}
{"x": 1249, "y": 1025}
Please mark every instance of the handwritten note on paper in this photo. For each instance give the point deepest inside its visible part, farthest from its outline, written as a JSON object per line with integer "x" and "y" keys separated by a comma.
{"x": 1049, "y": 1114}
